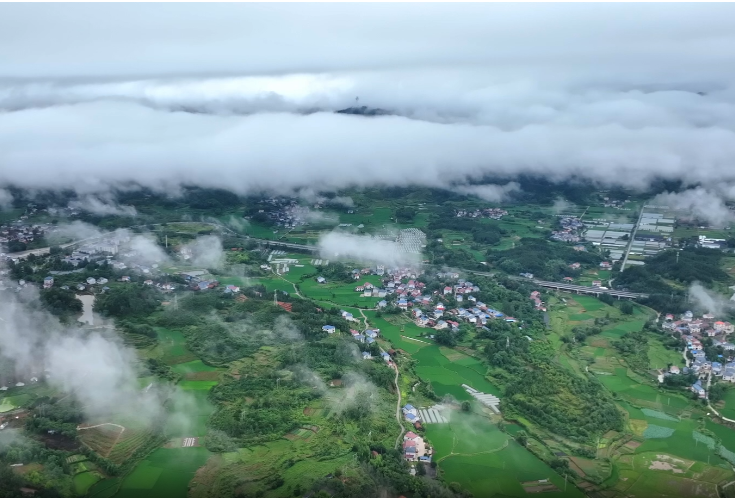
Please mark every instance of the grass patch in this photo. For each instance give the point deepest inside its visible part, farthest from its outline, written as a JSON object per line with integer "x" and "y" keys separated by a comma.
{"x": 447, "y": 377}
{"x": 165, "y": 473}
{"x": 500, "y": 474}
{"x": 84, "y": 481}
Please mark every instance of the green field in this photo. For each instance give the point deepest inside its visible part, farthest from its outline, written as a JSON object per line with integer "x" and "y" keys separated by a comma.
{"x": 728, "y": 411}
{"x": 393, "y": 334}
{"x": 84, "y": 481}
{"x": 661, "y": 357}
{"x": 657, "y": 474}
{"x": 193, "y": 367}
{"x": 165, "y": 473}
{"x": 447, "y": 377}
{"x": 501, "y": 473}
{"x": 623, "y": 385}
{"x": 635, "y": 325}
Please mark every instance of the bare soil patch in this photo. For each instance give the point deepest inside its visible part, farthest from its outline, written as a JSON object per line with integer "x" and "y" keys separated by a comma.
{"x": 656, "y": 465}
{"x": 209, "y": 376}
{"x": 633, "y": 444}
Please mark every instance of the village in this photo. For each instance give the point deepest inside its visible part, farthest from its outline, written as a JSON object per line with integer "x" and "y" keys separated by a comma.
{"x": 487, "y": 213}
{"x": 700, "y": 334}
{"x": 18, "y": 236}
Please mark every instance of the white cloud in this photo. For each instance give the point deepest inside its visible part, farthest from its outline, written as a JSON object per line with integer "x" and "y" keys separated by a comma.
{"x": 98, "y": 370}
{"x": 337, "y": 245}
{"x": 6, "y": 199}
{"x": 701, "y": 203}
{"x": 490, "y": 192}
{"x": 98, "y": 206}
{"x": 206, "y": 251}
{"x": 708, "y": 301}
{"x": 561, "y": 206}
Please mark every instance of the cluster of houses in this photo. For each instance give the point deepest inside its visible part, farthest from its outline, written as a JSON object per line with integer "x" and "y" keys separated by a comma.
{"x": 476, "y": 313}
{"x": 607, "y": 202}
{"x": 571, "y": 228}
{"x": 100, "y": 249}
{"x": 490, "y": 213}
{"x": 692, "y": 329}
{"x": 414, "y": 448}
{"x": 393, "y": 284}
{"x": 286, "y": 213}
{"x": 21, "y": 232}
{"x": 538, "y": 303}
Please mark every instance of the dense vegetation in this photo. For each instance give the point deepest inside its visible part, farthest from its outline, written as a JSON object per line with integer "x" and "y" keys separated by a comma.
{"x": 544, "y": 392}
{"x": 128, "y": 301}
{"x": 60, "y": 301}
{"x": 544, "y": 259}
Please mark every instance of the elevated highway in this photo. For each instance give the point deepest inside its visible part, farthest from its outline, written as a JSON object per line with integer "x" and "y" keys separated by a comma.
{"x": 588, "y": 290}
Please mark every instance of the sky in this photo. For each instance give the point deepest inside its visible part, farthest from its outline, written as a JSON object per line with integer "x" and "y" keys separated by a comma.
{"x": 242, "y": 96}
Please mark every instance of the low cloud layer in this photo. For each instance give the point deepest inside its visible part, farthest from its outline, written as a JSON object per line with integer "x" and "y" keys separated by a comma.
{"x": 491, "y": 192}
{"x": 6, "y": 199}
{"x": 709, "y": 301}
{"x": 99, "y": 371}
{"x": 703, "y": 204}
{"x": 338, "y": 245}
{"x": 471, "y": 97}
{"x": 206, "y": 251}
{"x": 99, "y": 206}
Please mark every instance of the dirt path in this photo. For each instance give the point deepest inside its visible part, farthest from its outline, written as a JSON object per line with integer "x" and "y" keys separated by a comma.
{"x": 395, "y": 382}
{"x": 80, "y": 428}
{"x": 364, "y": 318}
{"x": 398, "y": 408}
{"x": 295, "y": 289}
{"x": 112, "y": 447}
{"x": 718, "y": 413}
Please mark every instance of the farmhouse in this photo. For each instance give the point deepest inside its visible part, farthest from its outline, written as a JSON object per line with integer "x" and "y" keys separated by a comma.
{"x": 413, "y": 446}
{"x": 698, "y": 389}
{"x": 329, "y": 328}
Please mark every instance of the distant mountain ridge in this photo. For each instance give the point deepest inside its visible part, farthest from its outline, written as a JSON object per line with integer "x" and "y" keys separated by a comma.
{"x": 364, "y": 111}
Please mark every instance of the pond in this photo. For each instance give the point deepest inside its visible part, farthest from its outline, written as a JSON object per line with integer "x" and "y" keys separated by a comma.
{"x": 87, "y": 307}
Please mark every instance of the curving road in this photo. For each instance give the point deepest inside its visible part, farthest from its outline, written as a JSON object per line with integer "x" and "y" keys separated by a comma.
{"x": 398, "y": 408}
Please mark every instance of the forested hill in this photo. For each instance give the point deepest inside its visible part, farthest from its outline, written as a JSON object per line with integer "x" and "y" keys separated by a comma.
{"x": 364, "y": 111}
{"x": 682, "y": 267}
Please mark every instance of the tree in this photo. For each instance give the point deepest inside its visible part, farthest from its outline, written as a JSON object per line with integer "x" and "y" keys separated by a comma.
{"x": 466, "y": 406}
{"x": 61, "y": 301}
{"x": 626, "y": 307}
{"x": 405, "y": 215}
{"x": 420, "y": 469}
{"x": 522, "y": 438}
{"x": 128, "y": 300}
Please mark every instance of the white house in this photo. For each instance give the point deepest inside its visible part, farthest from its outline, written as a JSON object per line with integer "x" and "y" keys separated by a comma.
{"x": 329, "y": 329}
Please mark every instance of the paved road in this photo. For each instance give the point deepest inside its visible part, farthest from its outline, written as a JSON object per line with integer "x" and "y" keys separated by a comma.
{"x": 588, "y": 289}
{"x": 398, "y": 407}
{"x": 45, "y": 250}
{"x": 632, "y": 239}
